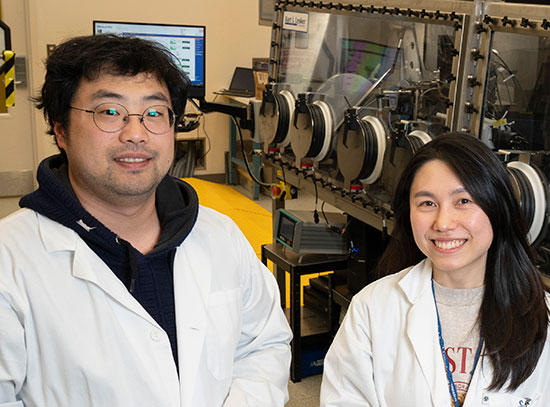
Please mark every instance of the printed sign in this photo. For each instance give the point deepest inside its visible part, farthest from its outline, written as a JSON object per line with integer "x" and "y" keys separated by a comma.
{"x": 295, "y": 21}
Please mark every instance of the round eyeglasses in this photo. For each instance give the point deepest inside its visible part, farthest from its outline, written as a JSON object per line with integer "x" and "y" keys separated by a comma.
{"x": 112, "y": 117}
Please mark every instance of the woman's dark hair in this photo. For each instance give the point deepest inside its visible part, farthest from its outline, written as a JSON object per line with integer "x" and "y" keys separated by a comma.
{"x": 514, "y": 315}
{"x": 88, "y": 57}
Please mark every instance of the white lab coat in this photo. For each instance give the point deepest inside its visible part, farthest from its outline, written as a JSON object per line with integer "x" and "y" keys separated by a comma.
{"x": 387, "y": 353}
{"x": 71, "y": 335}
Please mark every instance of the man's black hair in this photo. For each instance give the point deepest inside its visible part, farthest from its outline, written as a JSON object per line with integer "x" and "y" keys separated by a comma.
{"x": 88, "y": 57}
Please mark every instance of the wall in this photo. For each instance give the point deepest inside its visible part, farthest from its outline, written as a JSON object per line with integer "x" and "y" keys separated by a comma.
{"x": 17, "y": 141}
{"x": 233, "y": 38}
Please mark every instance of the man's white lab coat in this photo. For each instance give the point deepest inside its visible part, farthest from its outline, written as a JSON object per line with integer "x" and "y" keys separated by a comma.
{"x": 387, "y": 353}
{"x": 71, "y": 335}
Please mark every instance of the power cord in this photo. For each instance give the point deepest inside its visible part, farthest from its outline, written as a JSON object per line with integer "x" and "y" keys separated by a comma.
{"x": 283, "y": 194}
{"x": 257, "y": 181}
{"x": 335, "y": 229}
{"x": 206, "y": 135}
{"x": 315, "y": 213}
{"x": 190, "y": 125}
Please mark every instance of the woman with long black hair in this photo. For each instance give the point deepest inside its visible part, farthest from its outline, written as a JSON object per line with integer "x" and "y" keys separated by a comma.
{"x": 461, "y": 317}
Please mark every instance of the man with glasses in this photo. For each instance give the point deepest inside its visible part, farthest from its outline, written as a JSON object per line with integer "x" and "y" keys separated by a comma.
{"x": 116, "y": 287}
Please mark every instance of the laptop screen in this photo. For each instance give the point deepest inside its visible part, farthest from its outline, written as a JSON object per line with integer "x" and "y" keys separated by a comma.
{"x": 243, "y": 79}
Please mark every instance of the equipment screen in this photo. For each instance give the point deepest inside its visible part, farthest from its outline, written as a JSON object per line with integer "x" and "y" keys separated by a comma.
{"x": 366, "y": 58}
{"x": 185, "y": 42}
{"x": 286, "y": 229}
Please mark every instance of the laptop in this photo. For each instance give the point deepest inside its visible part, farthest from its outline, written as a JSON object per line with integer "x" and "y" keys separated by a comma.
{"x": 242, "y": 84}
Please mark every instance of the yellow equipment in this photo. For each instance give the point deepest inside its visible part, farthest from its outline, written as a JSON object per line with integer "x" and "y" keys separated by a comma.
{"x": 8, "y": 67}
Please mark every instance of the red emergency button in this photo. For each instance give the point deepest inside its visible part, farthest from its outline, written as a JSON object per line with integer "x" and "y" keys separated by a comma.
{"x": 276, "y": 191}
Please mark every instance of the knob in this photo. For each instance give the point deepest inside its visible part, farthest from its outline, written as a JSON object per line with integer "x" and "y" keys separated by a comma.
{"x": 527, "y": 24}
{"x": 489, "y": 20}
{"x": 470, "y": 108}
{"x": 472, "y": 81}
{"x": 505, "y": 21}
{"x": 476, "y": 54}
{"x": 480, "y": 28}
{"x": 425, "y": 13}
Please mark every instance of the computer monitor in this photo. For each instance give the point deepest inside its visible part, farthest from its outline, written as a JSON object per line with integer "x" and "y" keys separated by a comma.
{"x": 186, "y": 42}
{"x": 366, "y": 58}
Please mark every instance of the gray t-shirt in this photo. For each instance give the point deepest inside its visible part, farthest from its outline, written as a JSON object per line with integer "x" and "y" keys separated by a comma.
{"x": 458, "y": 313}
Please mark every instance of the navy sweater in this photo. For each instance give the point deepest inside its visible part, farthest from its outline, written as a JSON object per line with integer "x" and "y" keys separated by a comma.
{"x": 148, "y": 277}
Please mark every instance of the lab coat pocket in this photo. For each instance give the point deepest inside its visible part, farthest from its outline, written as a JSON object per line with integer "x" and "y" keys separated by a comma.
{"x": 510, "y": 400}
{"x": 224, "y": 320}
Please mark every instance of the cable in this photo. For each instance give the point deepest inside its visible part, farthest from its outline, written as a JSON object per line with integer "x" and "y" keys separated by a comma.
{"x": 389, "y": 122}
{"x": 264, "y": 184}
{"x": 283, "y": 170}
{"x": 373, "y": 201}
{"x": 325, "y": 215}
{"x": 203, "y": 116}
{"x": 207, "y": 137}
{"x": 332, "y": 227}
{"x": 283, "y": 194}
{"x": 192, "y": 125}
{"x": 315, "y": 213}
{"x": 515, "y": 79}
{"x": 385, "y": 75}
{"x": 184, "y": 167}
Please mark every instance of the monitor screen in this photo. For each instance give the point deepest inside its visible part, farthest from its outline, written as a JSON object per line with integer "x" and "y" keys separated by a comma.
{"x": 366, "y": 58}
{"x": 286, "y": 229}
{"x": 186, "y": 42}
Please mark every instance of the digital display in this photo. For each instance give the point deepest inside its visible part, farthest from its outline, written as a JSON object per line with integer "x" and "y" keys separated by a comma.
{"x": 286, "y": 229}
{"x": 366, "y": 58}
{"x": 185, "y": 42}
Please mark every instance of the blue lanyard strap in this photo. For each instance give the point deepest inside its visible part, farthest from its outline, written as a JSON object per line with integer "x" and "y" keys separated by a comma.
{"x": 452, "y": 386}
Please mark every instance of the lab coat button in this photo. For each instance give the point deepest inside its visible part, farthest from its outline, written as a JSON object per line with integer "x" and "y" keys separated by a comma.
{"x": 156, "y": 335}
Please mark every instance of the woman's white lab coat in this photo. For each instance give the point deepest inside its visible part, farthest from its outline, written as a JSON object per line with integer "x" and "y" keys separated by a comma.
{"x": 387, "y": 353}
{"x": 71, "y": 335}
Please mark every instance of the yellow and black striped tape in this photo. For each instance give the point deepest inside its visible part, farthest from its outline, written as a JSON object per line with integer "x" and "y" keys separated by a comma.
{"x": 9, "y": 77}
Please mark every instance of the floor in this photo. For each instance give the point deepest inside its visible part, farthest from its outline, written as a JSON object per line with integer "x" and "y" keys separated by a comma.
{"x": 304, "y": 393}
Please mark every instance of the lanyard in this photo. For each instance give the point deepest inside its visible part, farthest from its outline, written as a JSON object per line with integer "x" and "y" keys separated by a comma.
{"x": 452, "y": 386}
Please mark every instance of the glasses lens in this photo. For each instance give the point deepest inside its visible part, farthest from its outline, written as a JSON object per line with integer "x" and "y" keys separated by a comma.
{"x": 158, "y": 119}
{"x": 110, "y": 117}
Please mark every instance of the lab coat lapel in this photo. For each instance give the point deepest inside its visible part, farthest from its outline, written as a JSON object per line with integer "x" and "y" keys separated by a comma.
{"x": 422, "y": 331}
{"x": 479, "y": 382}
{"x": 192, "y": 275}
{"x": 88, "y": 266}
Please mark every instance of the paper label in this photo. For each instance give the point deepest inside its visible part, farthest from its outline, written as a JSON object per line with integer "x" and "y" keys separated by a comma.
{"x": 295, "y": 21}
